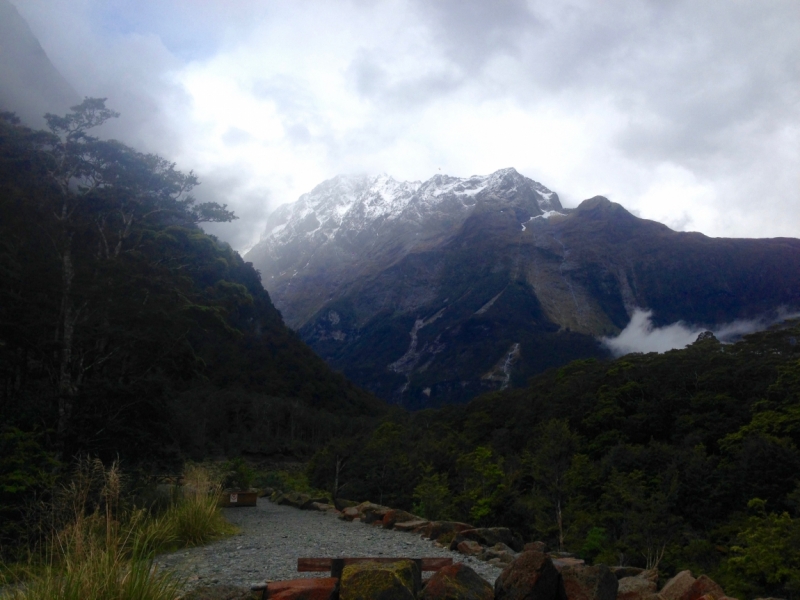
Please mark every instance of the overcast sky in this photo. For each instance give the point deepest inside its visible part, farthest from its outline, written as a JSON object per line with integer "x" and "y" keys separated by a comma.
{"x": 686, "y": 112}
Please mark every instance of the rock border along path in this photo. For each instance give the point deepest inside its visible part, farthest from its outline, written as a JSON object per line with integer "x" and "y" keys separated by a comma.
{"x": 273, "y": 537}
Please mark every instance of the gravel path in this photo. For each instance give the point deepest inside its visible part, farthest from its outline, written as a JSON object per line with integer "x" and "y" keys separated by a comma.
{"x": 273, "y": 537}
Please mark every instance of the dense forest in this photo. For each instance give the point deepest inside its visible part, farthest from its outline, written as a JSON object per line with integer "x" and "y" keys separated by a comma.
{"x": 126, "y": 331}
{"x": 687, "y": 459}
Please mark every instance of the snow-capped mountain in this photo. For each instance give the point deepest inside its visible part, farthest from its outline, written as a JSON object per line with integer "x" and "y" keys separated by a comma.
{"x": 352, "y": 221}
{"x": 432, "y": 292}
{"x": 353, "y": 203}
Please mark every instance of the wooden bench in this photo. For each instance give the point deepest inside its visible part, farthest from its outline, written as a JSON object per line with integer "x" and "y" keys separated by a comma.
{"x": 337, "y": 565}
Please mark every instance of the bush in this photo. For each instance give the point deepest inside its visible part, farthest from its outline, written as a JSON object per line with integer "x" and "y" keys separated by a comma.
{"x": 101, "y": 548}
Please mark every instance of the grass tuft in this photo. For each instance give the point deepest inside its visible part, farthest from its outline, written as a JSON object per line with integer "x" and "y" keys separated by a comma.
{"x": 101, "y": 549}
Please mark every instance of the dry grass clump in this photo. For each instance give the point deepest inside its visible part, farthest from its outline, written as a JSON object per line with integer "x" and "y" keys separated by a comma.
{"x": 99, "y": 547}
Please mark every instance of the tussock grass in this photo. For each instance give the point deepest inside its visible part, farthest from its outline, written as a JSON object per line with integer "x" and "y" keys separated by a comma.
{"x": 99, "y": 548}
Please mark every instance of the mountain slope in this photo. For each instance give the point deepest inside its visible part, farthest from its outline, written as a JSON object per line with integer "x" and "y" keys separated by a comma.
{"x": 127, "y": 331}
{"x": 30, "y": 85}
{"x": 432, "y": 292}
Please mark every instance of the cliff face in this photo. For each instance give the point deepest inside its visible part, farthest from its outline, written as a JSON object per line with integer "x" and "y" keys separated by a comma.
{"x": 465, "y": 285}
{"x": 30, "y": 85}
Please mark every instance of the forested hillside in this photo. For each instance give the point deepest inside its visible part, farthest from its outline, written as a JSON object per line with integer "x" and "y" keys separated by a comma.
{"x": 688, "y": 458}
{"x": 127, "y": 331}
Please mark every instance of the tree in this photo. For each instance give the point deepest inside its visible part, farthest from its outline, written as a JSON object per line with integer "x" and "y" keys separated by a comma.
{"x": 96, "y": 203}
{"x": 549, "y": 463}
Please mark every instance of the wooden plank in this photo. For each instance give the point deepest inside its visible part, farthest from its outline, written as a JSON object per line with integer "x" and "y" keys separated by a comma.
{"x": 314, "y": 564}
{"x": 325, "y": 564}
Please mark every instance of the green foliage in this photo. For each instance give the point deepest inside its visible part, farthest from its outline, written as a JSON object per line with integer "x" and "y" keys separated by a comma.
{"x": 766, "y": 557}
{"x": 238, "y": 474}
{"x": 26, "y": 477}
{"x": 647, "y": 460}
{"x": 480, "y": 485}
{"x": 432, "y": 496}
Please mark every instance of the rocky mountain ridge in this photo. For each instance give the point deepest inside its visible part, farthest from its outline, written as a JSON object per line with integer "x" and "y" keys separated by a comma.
{"x": 354, "y": 224}
{"x": 429, "y": 293}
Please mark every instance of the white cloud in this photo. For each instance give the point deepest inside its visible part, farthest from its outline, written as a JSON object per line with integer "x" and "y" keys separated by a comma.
{"x": 640, "y": 335}
{"x": 685, "y": 112}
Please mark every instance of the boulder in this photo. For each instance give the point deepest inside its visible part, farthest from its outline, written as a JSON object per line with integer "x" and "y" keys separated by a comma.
{"x": 531, "y": 576}
{"x": 457, "y": 582}
{"x": 321, "y": 506}
{"x": 500, "y": 551}
{"x": 676, "y": 587}
{"x": 399, "y": 580}
{"x": 350, "y": 513}
{"x": 372, "y": 512}
{"x": 411, "y": 525}
{"x": 394, "y": 516}
{"x": 621, "y": 572}
{"x": 341, "y": 503}
{"x": 562, "y": 563}
{"x": 436, "y": 529}
{"x": 469, "y": 547}
{"x": 489, "y": 536}
{"x": 298, "y": 500}
{"x": 589, "y": 583}
{"x": 312, "y": 588}
{"x": 702, "y": 586}
{"x": 535, "y": 546}
{"x": 636, "y": 588}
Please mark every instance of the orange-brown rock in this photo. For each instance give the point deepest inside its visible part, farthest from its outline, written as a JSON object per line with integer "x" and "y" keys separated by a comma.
{"x": 312, "y": 588}
{"x": 394, "y": 516}
{"x": 457, "y": 582}
{"x": 562, "y": 563}
{"x": 676, "y": 587}
{"x": 702, "y": 586}
{"x": 469, "y": 547}
{"x": 531, "y": 576}
{"x": 589, "y": 583}
{"x": 411, "y": 525}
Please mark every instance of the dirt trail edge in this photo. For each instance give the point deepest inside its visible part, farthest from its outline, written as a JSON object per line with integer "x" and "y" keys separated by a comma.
{"x": 273, "y": 537}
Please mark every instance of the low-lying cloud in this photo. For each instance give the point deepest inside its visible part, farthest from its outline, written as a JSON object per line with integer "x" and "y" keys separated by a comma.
{"x": 642, "y": 336}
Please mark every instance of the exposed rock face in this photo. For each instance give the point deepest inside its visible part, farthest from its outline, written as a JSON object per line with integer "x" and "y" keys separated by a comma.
{"x": 380, "y": 581}
{"x": 430, "y": 293}
{"x": 531, "y": 576}
{"x": 457, "y": 582}
{"x": 589, "y": 583}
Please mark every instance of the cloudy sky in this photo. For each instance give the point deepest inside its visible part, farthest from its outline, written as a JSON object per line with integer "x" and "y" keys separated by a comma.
{"x": 686, "y": 112}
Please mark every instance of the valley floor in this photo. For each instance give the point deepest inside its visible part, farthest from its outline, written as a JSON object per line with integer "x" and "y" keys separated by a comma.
{"x": 273, "y": 537}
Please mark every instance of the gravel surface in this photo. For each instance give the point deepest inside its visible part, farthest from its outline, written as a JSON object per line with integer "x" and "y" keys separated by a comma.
{"x": 273, "y": 537}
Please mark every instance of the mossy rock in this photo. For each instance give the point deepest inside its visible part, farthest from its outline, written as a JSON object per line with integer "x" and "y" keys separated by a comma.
{"x": 399, "y": 580}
